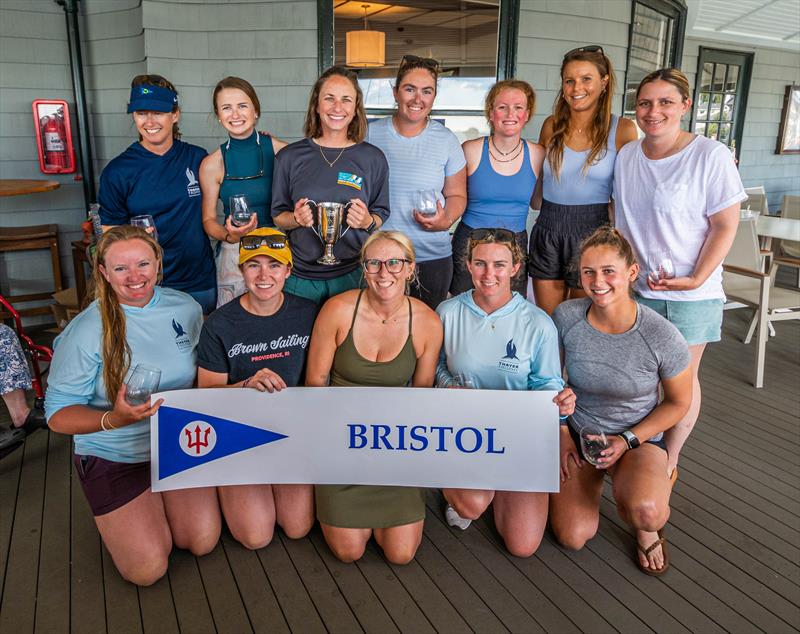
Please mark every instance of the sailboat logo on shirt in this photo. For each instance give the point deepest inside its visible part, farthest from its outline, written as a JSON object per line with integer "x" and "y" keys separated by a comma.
{"x": 192, "y": 187}
{"x": 509, "y": 362}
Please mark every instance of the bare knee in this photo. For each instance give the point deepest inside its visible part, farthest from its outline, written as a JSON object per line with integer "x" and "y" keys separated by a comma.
{"x": 470, "y": 508}
{"x": 574, "y": 537}
{"x": 522, "y": 545}
{"x": 348, "y": 552}
{"x": 646, "y": 515}
{"x": 400, "y": 554}
{"x": 254, "y": 537}
{"x": 296, "y": 528}
{"x": 199, "y": 542}
{"x": 145, "y": 571}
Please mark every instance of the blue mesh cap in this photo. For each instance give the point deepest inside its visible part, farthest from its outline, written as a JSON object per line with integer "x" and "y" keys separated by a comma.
{"x": 153, "y": 98}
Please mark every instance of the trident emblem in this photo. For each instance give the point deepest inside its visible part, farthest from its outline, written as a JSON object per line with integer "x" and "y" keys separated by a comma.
{"x": 197, "y": 444}
{"x": 197, "y": 438}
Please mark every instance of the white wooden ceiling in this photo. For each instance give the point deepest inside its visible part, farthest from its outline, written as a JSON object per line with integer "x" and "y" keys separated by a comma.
{"x": 774, "y": 23}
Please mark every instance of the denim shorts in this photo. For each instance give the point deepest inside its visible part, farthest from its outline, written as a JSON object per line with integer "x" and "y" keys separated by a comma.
{"x": 699, "y": 321}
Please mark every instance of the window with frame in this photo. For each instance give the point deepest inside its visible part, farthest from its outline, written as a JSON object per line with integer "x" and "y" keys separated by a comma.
{"x": 473, "y": 41}
{"x": 723, "y": 82}
{"x": 656, "y": 41}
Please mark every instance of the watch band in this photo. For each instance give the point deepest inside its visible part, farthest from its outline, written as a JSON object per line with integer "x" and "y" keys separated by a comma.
{"x": 372, "y": 225}
{"x": 630, "y": 439}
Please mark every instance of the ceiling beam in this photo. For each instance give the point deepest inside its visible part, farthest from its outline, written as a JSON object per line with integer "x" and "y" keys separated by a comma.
{"x": 745, "y": 15}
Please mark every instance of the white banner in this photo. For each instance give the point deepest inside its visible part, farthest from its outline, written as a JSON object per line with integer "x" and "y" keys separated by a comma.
{"x": 478, "y": 439}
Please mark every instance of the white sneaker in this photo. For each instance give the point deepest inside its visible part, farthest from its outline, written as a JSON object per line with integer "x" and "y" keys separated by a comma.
{"x": 454, "y": 519}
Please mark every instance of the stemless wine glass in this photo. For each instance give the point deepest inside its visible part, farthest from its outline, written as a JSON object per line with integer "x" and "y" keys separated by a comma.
{"x": 593, "y": 441}
{"x": 661, "y": 266}
{"x": 142, "y": 382}
{"x": 240, "y": 210}
{"x": 425, "y": 201}
{"x": 463, "y": 381}
{"x": 147, "y": 223}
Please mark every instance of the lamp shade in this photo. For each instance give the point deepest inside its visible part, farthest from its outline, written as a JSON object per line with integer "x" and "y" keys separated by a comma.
{"x": 365, "y": 49}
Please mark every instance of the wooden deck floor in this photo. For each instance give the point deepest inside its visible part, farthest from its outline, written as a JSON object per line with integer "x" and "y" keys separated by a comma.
{"x": 734, "y": 536}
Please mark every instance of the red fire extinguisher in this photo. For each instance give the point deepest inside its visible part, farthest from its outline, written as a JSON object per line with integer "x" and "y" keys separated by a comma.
{"x": 55, "y": 146}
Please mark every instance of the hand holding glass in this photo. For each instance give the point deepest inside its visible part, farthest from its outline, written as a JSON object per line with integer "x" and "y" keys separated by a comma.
{"x": 426, "y": 201}
{"x": 147, "y": 223}
{"x": 240, "y": 210}
{"x": 141, "y": 384}
{"x": 462, "y": 381}
{"x": 593, "y": 442}
{"x": 661, "y": 267}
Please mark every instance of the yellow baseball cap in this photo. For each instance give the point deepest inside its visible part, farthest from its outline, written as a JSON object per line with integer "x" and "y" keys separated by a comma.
{"x": 265, "y": 241}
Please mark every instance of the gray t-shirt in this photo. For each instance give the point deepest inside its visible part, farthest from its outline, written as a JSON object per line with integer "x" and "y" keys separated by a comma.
{"x": 615, "y": 377}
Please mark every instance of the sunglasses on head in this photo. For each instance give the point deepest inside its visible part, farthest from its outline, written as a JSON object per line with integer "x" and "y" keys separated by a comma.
{"x": 272, "y": 241}
{"x": 498, "y": 235}
{"x": 584, "y": 49}
{"x": 427, "y": 62}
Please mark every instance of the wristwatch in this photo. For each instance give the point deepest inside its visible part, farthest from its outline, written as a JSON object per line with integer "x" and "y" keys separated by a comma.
{"x": 630, "y": 439}
{"x": 372, "y": 224}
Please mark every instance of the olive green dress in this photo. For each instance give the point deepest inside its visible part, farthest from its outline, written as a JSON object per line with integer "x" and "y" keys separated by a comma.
{"x": 368, "y": 506}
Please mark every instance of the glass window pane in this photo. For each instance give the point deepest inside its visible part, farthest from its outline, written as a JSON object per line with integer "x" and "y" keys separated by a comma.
{"x": 719, "y": 77}
{"x": 460, "y": 34}
{"x": 733, "y": 78}
{"x": 711, "y": 131}
{"x": 725, "y": 133}
{"x": 708, "y": 72}
{"x": 716, "y": 107}
{"x": 702, "y": 106}
{"x": 727, "y": 107}
{"x": 700, "y": 128}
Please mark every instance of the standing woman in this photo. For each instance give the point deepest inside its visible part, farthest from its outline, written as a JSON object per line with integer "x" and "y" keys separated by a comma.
{"x": 677, "y": 196}
{"x": 582, "y": 139}
{"x": 132, "y": 321}
{"x": 422, "y": 155}
{"x": 332, "y": 164}
{"x": 157, "y": 176}
{"x": 379, "y": 337}
{"x": 617, "y": 353}
{"x": 479, "y": 326}
{"x": 263, "y": 318}
{"x": 501, "y": 175}
{"x": 241, "y": 166}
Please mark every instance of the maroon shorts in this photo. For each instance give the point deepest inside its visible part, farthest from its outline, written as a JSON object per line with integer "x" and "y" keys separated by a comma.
{"x": 109, "y": 485}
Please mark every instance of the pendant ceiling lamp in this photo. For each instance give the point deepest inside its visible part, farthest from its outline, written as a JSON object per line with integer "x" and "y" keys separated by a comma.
{"x": 365, "y": 49}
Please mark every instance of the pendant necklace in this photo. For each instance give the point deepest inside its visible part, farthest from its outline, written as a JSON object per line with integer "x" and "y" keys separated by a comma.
{"x": 506, "y": 160}
{"x": 325, "y": 158}
{"x": 511, "y": 151}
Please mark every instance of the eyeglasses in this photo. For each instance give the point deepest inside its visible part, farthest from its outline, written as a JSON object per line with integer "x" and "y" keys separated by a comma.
{"x": 584, "y": 49}
{"x": 260, "y": 173}
{"x": 427, "y": 62}
{"x": 393, "y": 265}
{"x": 273, "y": 241}
{"x": 498, "y": 235}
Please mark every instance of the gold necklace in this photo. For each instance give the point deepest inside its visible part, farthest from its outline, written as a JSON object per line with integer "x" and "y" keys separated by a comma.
{"x": 506, "y": 160}
{"x": 325, "y": 158}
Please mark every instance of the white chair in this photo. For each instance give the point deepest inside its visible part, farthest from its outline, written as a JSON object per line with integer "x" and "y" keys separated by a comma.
{"x": 756, "y": 200}
{"x": 745, "y": 282}
{"x": 790, "y": 208}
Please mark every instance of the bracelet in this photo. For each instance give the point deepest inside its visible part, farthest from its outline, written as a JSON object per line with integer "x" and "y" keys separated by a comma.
{"x": 246, "y": 382}
{"x": 106, "y": 419}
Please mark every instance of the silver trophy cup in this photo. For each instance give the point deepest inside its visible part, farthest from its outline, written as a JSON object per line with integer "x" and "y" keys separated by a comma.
{"x": 328, "y": 220}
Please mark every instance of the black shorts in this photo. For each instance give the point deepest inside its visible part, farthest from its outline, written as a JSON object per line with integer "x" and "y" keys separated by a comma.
{"x": 462, "y": 280}
{"x": 110, "y": 485}
{"x": 556, "y": 239}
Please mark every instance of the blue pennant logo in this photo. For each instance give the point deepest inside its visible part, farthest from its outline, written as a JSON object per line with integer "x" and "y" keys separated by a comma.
{"x": 189, "y": 439}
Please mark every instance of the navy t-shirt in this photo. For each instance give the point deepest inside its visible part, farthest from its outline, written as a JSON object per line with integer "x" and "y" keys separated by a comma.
{"x": 140, "y": 182}
{"x": 238, "y": 343}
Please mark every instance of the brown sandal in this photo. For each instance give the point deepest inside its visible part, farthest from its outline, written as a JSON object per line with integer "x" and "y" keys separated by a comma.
{"x": 661, "y": 541}
{"x": 673, "y": 478}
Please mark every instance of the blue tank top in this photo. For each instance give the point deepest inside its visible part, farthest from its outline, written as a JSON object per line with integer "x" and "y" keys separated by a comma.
{"x": 495, "y": 200}
{"x": 574, "y": 187}
{"x": 251, "y": 157}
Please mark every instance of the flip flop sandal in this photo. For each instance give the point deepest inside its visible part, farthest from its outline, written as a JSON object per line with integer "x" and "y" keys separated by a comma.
{"x": 674, "y": 477}
{"x": 661, "y": 541}
{"x": 11, "y": 438}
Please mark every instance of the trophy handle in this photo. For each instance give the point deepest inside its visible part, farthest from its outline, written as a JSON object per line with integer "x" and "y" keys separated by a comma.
{"x": 348, "y": 226}
{"x": 315, "y": 210}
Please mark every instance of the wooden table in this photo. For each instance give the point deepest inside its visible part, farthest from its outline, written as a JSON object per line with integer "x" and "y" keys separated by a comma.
{"x": 20, "y": 186}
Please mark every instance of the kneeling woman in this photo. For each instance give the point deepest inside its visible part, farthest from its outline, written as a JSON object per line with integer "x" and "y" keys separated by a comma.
{"x": 375, "y": 337}
{"x": 480, "y": 327}
{"x": 265, "y": 314}
{"x": 616, "y": 353}
{"x": 137, "y": 322}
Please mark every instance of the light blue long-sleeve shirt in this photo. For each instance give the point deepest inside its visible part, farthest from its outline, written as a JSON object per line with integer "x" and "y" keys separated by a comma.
{"x": 162, "y": 334}
{"x": 513, "y": 348}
